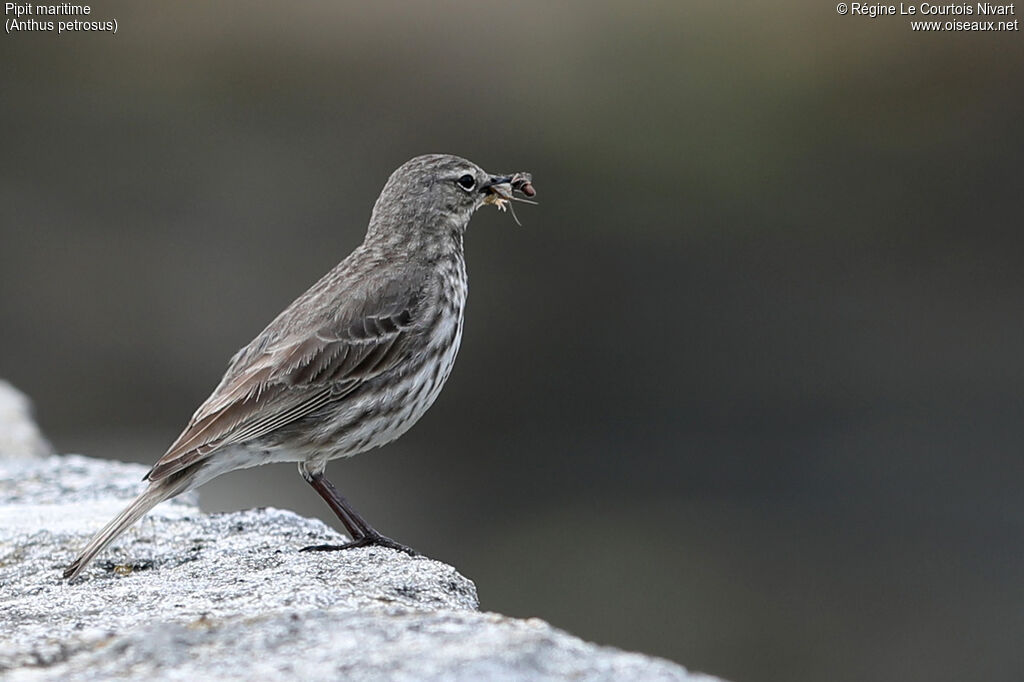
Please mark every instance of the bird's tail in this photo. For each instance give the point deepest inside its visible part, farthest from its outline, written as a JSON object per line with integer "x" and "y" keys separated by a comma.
{"x": 156, "y": 493}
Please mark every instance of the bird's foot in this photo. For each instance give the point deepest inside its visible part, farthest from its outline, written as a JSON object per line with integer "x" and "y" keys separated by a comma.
{"x": 371, "y": 540}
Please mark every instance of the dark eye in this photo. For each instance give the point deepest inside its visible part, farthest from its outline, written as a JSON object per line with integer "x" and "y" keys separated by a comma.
{"x": 467, "y": 182}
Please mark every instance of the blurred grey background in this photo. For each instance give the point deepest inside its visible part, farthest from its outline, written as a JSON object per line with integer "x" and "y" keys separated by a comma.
{"x": 744, "y": 391}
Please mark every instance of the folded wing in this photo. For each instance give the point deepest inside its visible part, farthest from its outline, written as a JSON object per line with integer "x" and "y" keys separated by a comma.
{"x": 287, "y": 373}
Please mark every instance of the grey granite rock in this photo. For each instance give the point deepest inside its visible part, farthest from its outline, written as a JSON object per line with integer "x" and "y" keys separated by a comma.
{"x": 19, "y": 435}
{"x": 187, "y": 595}
{"x": 177, "y": 564}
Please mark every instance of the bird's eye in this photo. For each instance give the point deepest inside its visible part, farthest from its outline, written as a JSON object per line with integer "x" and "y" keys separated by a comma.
{"x": 467, "y": 182}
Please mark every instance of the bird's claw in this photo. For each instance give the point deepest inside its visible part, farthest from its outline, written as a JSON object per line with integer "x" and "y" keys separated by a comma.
{"x": 375, "y": 540}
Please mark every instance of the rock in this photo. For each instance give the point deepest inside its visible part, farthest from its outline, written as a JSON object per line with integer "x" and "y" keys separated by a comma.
{"x": 188, "y": 595}
{"x": 178, "y": 564}
{"x": 19, "y": 435}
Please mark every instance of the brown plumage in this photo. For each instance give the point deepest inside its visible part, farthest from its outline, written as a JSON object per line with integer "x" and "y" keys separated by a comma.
{"x": 352, "y": 363}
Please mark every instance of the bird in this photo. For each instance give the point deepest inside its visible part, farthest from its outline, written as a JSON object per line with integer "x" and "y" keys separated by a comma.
{"x": 352, "y": 363}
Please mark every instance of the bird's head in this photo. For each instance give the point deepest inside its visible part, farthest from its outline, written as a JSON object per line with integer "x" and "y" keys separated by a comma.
{"x": 441, "y": 192}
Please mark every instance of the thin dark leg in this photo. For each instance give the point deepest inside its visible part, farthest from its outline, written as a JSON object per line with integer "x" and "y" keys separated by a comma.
{"x": 363, "y": 534}
{"x": 354, "y": 524}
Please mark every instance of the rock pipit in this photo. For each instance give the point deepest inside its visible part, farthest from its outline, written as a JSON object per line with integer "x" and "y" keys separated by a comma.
{"x": 353, "y": 363}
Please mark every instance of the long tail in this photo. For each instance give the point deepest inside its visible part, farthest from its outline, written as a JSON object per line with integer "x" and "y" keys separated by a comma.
{"x": 156, "y": 493}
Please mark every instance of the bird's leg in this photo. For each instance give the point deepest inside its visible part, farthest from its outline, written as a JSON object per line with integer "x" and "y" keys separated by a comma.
{"x": 363, "y": 534}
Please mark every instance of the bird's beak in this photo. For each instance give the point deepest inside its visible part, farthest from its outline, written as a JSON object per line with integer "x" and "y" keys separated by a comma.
{"x": 497, "y": 180}
{"x": 500, "y": 185}
{"x": 498, "y": 190}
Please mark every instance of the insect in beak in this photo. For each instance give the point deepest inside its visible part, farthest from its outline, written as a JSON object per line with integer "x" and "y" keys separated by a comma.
{"x": 500, "y": 192}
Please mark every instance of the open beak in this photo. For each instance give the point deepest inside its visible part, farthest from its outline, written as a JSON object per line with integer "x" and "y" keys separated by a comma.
{"x": 500, "y": 185}
{"x": 497, "y": 180}
{"x": 498, "y": 190}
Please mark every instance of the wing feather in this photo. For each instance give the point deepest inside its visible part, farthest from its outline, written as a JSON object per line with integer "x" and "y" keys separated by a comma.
{"x": 281, "y": 377}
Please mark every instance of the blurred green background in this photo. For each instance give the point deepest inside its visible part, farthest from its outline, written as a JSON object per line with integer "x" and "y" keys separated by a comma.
{"x": 744, "y": 391}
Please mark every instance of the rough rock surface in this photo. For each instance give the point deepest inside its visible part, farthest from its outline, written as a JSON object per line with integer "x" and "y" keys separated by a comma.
{"x": 186, "y": 595}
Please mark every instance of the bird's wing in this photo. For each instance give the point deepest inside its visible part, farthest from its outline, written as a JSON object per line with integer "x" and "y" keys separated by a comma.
{"x": 280, "y": 377}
